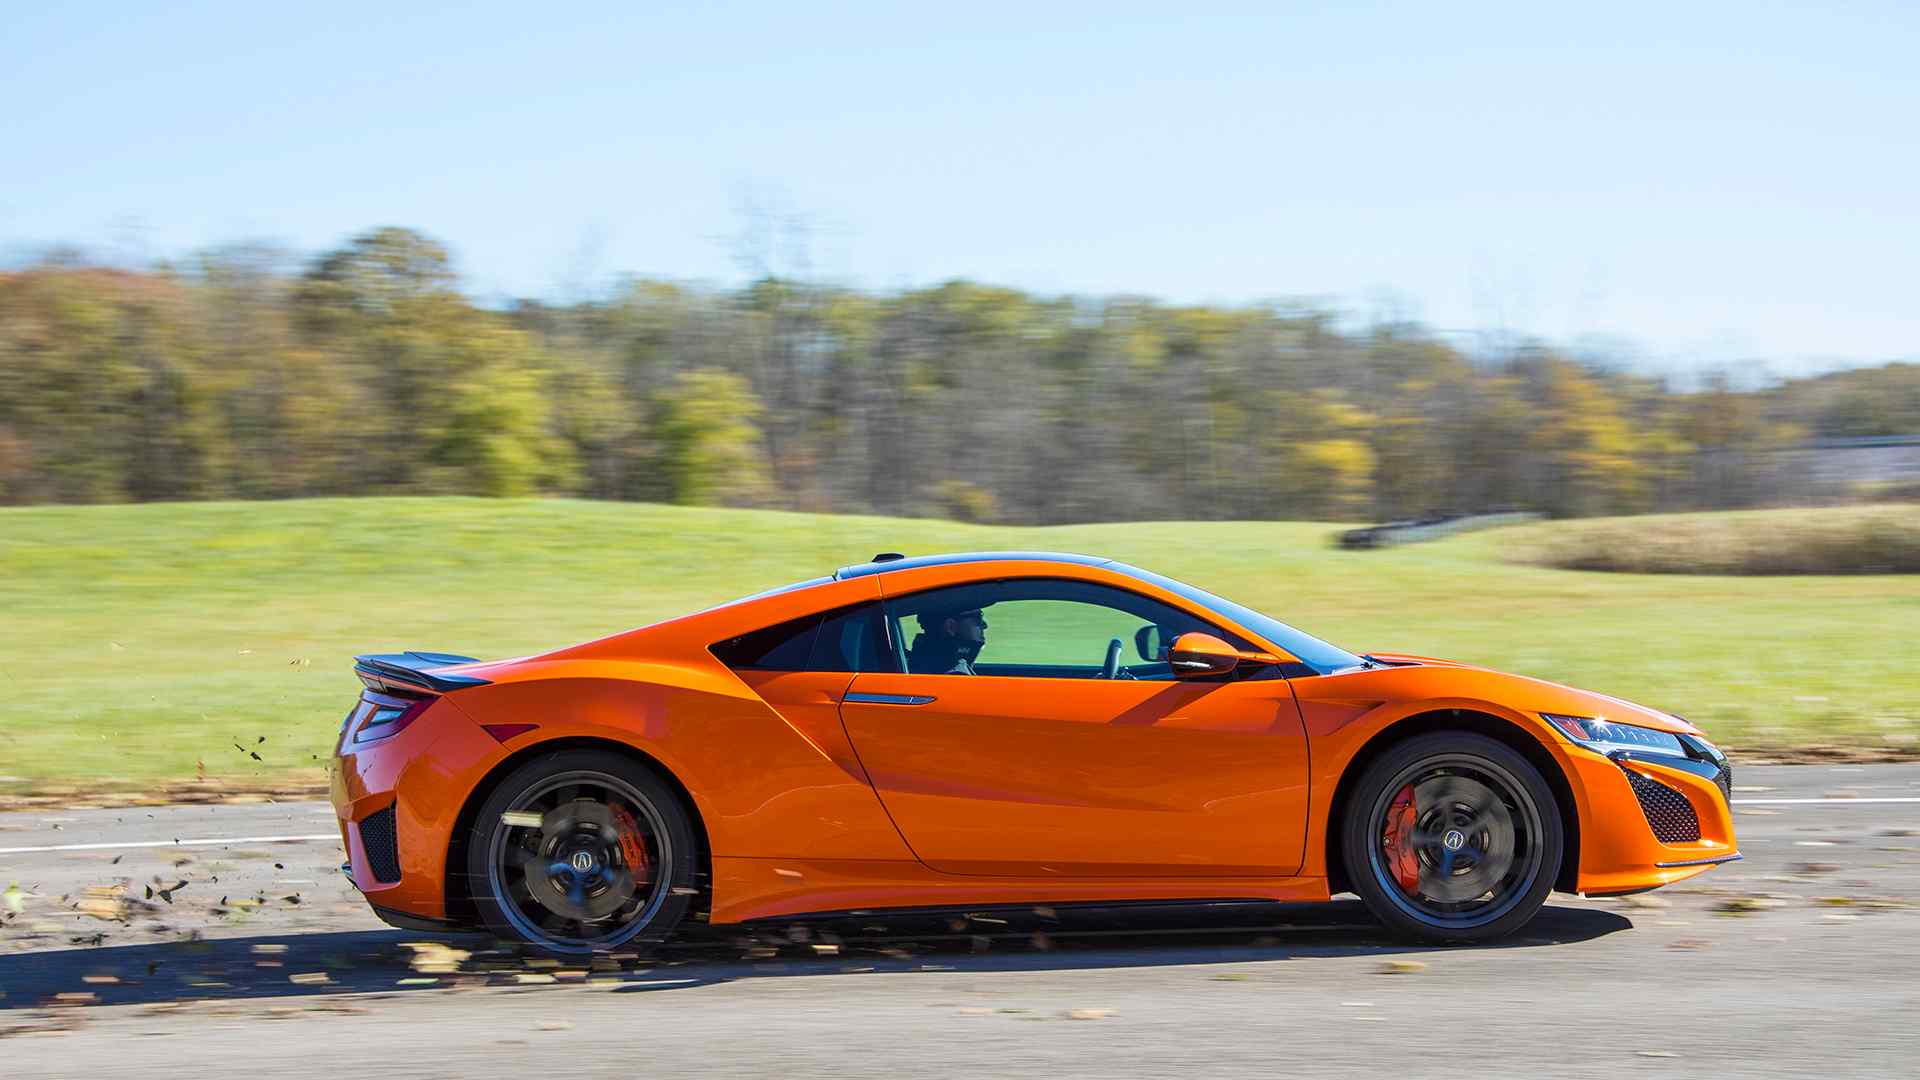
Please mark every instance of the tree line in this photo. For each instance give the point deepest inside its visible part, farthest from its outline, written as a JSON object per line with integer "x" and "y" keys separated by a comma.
{"x": 369, "y": 371}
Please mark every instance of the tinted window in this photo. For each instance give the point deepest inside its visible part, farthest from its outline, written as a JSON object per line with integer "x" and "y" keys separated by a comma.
{"x": 852, "y": 639}
{"x": 784, "y": 647}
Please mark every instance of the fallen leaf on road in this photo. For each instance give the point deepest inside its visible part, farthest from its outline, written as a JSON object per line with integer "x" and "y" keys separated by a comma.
{"x": 108, "y": 902}
{"x": 1741, "y": 905}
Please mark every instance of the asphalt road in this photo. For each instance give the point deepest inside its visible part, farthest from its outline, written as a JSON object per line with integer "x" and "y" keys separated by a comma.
{"x": 264, "y": 963}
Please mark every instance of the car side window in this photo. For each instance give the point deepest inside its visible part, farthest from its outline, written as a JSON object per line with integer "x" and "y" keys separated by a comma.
{"x": 1039, "y": 628}
{"x": 846, "y": 639}
{"x": 782, "y": 647}
{"x": 853, "y": 639}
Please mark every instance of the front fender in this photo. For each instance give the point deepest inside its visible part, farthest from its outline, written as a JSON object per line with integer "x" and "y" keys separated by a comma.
{"x": 1344, "y": 730}
{"x": 1350, "y": 716}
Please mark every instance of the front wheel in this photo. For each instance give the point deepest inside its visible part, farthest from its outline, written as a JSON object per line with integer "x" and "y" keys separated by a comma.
{"x": 580, "y": 851}
{"x": 1452, "y": 836}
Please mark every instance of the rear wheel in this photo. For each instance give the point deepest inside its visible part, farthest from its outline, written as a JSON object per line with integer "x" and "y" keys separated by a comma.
{"x": 1452, "y": 836}
{"x": 581, "y": 851}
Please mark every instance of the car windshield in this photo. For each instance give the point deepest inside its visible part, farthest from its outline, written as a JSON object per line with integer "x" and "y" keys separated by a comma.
{"x": 1309, "y": 650}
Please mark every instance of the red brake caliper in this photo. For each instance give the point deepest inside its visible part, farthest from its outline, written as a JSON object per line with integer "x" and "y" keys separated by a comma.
{"x": 1397, "y": 843}
{"x": 632, "y": 847}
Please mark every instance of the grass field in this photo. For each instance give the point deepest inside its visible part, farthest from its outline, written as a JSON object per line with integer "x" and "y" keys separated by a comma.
{"x": 139, "y": 642}
{"x": 1829, "y": 540}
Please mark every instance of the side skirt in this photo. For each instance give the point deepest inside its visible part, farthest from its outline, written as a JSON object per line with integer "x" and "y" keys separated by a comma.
{"x": 746, "y": 889}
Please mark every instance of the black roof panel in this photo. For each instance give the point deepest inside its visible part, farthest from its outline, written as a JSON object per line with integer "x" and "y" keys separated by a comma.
{"x": 890, "y": 565}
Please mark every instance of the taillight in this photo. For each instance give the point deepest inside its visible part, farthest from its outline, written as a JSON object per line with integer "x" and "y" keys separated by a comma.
{"x": 382, "y": 716}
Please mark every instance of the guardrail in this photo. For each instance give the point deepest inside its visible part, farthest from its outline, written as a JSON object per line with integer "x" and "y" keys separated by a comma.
{"x": 1395, "y": 533}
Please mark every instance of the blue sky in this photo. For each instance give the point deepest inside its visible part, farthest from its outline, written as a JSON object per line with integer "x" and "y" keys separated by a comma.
{"x": 1709, "y": 183}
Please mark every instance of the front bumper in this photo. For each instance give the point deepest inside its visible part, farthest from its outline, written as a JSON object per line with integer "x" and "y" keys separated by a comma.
{"x": 1646, "y": 822}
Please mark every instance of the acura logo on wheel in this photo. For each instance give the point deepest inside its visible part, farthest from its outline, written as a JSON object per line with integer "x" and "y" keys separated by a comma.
{"x": 1454, "y": 840}
{"x": 582, "y": 861}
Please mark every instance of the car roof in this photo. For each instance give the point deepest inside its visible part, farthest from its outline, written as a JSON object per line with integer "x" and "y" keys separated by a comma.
{"x": 896, "y": 563}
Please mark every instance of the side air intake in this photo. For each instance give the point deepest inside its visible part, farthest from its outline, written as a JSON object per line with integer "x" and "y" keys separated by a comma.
{"x": 1667, "y": 810}
{"x": 381, "y": 841}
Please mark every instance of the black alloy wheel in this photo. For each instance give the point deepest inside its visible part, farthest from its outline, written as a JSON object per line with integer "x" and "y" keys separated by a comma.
{"x": 1452, "y": 836}
{"x": 581, "y": 851}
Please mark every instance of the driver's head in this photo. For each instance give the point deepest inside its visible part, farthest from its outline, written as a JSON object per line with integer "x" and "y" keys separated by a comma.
{"x": 965, "y": 628}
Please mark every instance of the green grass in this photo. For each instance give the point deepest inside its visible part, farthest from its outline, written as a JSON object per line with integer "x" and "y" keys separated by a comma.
{"x": 137, "y": 641}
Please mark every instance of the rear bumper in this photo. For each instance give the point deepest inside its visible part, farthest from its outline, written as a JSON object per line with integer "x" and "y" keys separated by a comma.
{"x": 1619, "y": 849}
{"x": 398, "y": 802}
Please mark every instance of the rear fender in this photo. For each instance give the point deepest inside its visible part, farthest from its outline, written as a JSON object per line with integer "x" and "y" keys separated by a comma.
{"x": 761, "y": 787}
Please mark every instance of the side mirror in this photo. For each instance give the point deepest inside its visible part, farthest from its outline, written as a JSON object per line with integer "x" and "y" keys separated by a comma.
{"x": 1195, "y": 654}
{"x": 1146, "y": 642}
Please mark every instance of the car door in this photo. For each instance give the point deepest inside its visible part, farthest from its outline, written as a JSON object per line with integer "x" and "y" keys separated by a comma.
{"x": 1038, "y": 766}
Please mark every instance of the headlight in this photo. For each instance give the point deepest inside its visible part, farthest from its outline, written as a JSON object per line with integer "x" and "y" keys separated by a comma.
{"x": 1606, "y": 737}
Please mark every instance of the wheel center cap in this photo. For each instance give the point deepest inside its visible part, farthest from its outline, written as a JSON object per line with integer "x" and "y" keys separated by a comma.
{"x": 582, "y": 861}
{"x": 1454, "y": 840}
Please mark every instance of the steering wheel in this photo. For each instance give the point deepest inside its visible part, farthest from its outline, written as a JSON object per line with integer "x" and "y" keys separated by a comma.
{"x": 1111, "y": 669}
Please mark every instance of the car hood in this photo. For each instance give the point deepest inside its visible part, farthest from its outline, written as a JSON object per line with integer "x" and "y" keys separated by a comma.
{"x": 1540, "y": 695}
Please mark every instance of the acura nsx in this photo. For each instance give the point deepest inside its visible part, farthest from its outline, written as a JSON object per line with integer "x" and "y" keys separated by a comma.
{"x": 966, "y": 731}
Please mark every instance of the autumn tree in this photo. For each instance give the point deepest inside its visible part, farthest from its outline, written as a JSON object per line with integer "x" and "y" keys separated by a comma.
{"x": 710, "y": 451}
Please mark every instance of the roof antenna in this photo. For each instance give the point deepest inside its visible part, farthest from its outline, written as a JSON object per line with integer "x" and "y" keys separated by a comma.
{"x": 887, "y": 556}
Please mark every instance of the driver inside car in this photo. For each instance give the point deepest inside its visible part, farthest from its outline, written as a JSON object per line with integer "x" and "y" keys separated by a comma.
{"x": 948, "y": 642}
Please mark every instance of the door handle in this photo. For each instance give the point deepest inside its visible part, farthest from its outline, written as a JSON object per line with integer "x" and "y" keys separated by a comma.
{"x": 858, "y": 697}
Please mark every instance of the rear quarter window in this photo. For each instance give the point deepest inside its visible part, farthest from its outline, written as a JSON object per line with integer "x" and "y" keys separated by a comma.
{"x": 844, "y": 639}
{"x": 784, "y": 646}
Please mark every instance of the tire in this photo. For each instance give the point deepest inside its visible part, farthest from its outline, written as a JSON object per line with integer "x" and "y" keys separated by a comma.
{"x": 610, "y": 863}
{"x": 1480, "y": 816}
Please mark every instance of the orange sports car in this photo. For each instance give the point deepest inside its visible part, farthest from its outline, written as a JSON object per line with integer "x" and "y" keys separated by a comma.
{"x": 961, "y": 731}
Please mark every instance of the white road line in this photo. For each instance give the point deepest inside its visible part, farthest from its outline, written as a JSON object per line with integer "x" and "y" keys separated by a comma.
{"x": 1808, "y": 802}
{"x": 208, "y": 842}
{"x": 218, "y": 841}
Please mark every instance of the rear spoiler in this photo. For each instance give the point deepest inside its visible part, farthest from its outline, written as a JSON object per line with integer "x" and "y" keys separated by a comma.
{"x": 413, "y": 672}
